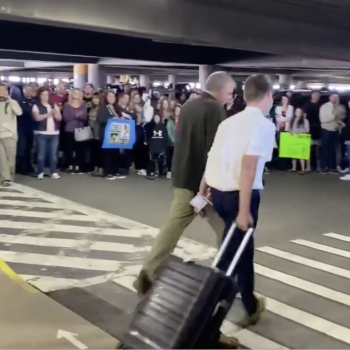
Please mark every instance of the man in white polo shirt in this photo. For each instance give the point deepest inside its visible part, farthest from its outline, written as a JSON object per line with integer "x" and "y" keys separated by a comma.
{"x": 243, "y": 144}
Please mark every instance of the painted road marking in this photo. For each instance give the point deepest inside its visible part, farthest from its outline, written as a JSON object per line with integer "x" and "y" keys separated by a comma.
{"x": 78, "y": 244}
{"x": 62, "y": 261}
{"x": 337, "y": 236}
{"x": 305, "y": 261}
{"x": 72, "y": 229}
{"x": 188, "y": 247}
{"x": 303, "y": 284}
{"x": 322, "y": 248}
{"x": 44, "y": 215}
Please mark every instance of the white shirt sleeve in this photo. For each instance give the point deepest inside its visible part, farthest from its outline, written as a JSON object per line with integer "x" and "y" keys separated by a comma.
{"x": 35, "y": 109}
{"x": 148, "y": 112}
{"x": 262, "y": 142}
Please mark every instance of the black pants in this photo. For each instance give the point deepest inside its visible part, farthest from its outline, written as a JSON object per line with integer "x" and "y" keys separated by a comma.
{"x": 140, "y": 155}
{"x": 25, "y": 144}
{"x": 169, "y": 157}
{"x": 154, "y": 158}
{"x": 74, "y": 152}
{"x": 111, "y": 161}
{"x": 226, "y": 204}
{"x": 96, "y": 157}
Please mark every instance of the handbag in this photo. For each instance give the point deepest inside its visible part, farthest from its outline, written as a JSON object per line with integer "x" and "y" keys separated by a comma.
{"x": 83, "y": 134}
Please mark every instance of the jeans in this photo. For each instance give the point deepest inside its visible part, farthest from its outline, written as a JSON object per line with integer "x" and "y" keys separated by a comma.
{"x": 226, "y": 204}
{"x": 348, "y": 156}
{"x": 329, "y": 143}
{"x": 47, "y": 146}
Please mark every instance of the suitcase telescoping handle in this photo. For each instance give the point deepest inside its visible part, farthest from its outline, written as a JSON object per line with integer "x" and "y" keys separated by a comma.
{"x": 239, "y": 252}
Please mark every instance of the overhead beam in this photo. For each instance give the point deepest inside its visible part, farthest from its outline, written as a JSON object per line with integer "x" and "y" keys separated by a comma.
{"x": 187, "y": 22}
{"x": 11, "y": 63}
{"x": 45, "y": 57}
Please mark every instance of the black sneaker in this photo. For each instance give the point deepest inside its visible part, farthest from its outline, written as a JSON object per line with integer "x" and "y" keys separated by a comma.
{"x": 110, "y": 177}
{"x": 6, "y": 183}
{"x": 324, "y": 172}
{"x": 150, "y": 177}
{"x": 333, "y": 172}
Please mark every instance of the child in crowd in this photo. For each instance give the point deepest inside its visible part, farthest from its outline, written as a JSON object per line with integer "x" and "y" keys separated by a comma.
{"x": 157, "y": 141}
{"x": 299, "y": 125}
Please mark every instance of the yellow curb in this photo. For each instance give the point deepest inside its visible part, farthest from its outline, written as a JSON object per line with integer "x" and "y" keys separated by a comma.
{"x": 6, "y": 269}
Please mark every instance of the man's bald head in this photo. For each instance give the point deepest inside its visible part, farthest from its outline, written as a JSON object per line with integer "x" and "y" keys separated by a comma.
{"x": 220, "y": 85}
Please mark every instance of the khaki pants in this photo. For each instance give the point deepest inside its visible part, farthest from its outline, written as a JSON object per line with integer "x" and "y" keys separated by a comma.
{"x": 8, "y": 149}
{"x": 181, "y": 215}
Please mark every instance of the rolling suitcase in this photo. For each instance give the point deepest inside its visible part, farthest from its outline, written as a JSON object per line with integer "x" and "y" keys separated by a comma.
{"x": 186, "y": 305}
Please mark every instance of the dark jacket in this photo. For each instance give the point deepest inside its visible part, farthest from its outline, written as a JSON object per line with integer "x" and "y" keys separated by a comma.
{"x": 198, "y": 122}
{"x": 25, "y": 123}
{"x": 156, "y": 137}
{"x": 42, "y": 124}
{"x": 346, "y": 130}
{"x": 102, "y": 117}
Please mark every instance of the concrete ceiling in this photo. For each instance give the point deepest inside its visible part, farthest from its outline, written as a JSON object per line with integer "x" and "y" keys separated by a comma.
{"x": 312, "y": 28}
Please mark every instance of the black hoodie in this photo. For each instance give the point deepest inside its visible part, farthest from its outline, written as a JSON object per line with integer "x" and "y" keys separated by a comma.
{"x": 157, "y": 137}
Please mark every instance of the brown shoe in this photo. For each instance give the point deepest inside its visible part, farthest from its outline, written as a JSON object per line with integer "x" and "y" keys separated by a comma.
{"x": 143, "y": 283}
{"x": 228, "y": 342}
{"x": 247, "y": 320}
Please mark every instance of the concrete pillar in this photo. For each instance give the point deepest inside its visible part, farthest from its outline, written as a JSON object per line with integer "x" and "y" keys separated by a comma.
{"x": 172, "y": 79}
{"x": 110, "y": 79}
{"x": 284, "y": 81}
{"x": 94, "y": 75}
{"x": 144, "y": 80}
{"x": 203, "y": 74}
{"x": 80, "y": 75}
{"x": 301, "y": 85}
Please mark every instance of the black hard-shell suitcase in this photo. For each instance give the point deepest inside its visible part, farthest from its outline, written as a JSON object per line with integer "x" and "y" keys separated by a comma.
{"x": 186, "y": 306}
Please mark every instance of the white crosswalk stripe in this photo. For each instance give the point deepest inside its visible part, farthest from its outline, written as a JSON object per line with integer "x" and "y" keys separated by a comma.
{"x": 52, "y": 254}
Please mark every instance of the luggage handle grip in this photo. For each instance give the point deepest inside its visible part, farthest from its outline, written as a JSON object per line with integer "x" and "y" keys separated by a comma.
{"x": 239, "y": 252}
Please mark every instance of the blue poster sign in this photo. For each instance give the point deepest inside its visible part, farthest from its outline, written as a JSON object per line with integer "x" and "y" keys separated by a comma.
{"x": 119, "y": 133}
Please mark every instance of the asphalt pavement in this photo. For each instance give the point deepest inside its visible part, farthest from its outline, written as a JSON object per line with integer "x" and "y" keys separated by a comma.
{"x": 81, "y": 240}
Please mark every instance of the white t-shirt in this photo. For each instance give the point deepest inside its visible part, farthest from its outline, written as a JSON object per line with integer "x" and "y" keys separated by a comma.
{"x": 50, "y": 123}
{"x": 246, "y": 133}
{"x": 283, "y": 120}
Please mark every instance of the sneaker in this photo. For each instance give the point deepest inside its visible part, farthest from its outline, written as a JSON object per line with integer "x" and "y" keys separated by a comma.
{"x": 71, "y": 171}
{"x": 6, "y": 183}
{"x": 324, "y": 172}
{"x": 110, "y": 177}
{"x": 168, "y": 175}
{"x": 341, "y": 170}
{"x": 41, "y": 176}
{"x": 151, "y": 177}
{"x": 55, "y": 176}
{"x": 120, "y": 177}
{"x": 333, "y": 172}
{"x": 266, "y": 171}
{"x": 142, "y": 172}
{"x": 345, "y": 177}
{"x": 247, "y": 320}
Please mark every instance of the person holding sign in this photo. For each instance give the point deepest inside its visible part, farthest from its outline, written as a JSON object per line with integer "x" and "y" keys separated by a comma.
{"x": 111, "y": 156}
{"x": 299, "y": 125}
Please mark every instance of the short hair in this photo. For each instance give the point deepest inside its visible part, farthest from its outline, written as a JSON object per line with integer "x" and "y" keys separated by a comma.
{"x": 256, "y": 87}
{"x": 217, "y": 81}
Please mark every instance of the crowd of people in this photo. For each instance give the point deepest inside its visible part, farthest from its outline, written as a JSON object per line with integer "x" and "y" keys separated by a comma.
{"x": 329, "y": 127}
{"x": 60, "y": 130}
{"x": 56, "y": 129}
